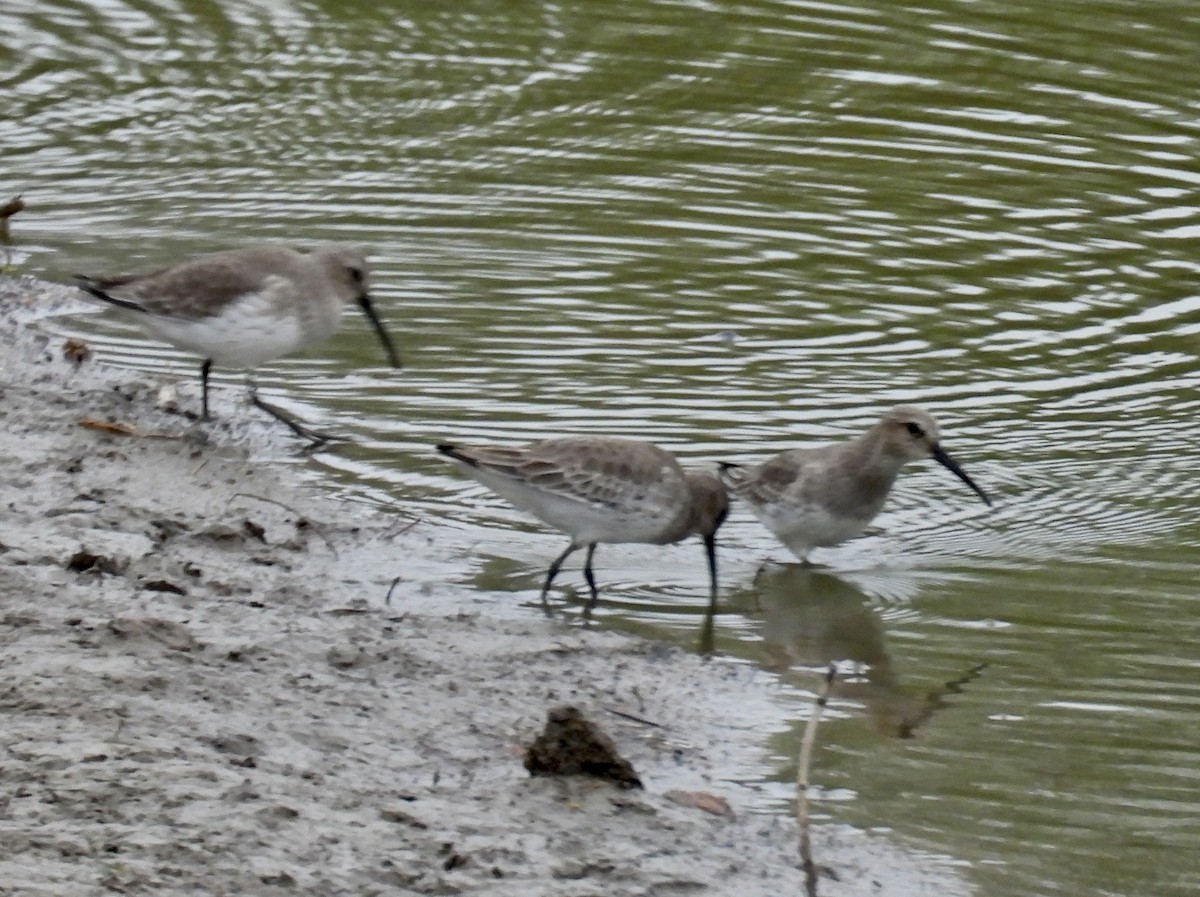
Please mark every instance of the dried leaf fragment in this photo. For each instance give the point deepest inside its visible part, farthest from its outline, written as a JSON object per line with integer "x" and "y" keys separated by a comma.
{"x": 702, "y": 800}
{"x": 90, "y": 423}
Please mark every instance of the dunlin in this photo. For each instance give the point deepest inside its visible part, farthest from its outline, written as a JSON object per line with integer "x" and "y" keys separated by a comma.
{"x": 243, "y": 307}
{"x": 814, "y": 498}
{"x": 600, "y": 489}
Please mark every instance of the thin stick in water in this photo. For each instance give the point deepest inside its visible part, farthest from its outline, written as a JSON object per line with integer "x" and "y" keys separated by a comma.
{"x": 803, "y": 818}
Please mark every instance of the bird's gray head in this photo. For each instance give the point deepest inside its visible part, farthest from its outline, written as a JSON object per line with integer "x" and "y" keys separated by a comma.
{"x": 911, "y": 434}
{"x": 347, "y": 269}
{"x": 345, "y": 266}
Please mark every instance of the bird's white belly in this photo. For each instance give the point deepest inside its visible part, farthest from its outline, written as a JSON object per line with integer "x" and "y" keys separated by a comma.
{"x": 585, "y": 522}
{"x": 244, "y": 335}
{"x": 805, "y": 527}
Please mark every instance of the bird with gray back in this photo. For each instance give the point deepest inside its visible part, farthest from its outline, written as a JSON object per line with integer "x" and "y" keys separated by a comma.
{"x": 816, "y": 498}
{"x": 243, "y": 307}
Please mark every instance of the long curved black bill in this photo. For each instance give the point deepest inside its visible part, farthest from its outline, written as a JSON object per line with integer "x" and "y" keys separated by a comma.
{"x": 940, "y": 456}
{"x": 364, "y": 302}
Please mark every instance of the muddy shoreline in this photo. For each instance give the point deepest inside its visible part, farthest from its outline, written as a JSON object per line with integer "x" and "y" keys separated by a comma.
{"x": 204, "y": 692}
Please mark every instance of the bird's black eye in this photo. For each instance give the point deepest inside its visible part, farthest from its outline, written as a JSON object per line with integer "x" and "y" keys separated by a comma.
{"x": 356, "y": 274}
{"x": 914, "y": 430}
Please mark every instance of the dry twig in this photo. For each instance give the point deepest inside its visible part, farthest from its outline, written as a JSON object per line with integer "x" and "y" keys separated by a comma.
{"x": 387, "y": 602}
{"x": 122, "y": 429}
{"x": 633, "y": 718}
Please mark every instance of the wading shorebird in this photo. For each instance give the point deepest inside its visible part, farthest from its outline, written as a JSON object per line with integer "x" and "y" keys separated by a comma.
{"x": 600, "y": 489}
{"x": 243, "y": 307}
{"x": 815, "y": 498}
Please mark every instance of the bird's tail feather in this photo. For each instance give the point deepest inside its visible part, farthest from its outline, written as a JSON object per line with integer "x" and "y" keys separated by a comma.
{"x": 452, "y": 451}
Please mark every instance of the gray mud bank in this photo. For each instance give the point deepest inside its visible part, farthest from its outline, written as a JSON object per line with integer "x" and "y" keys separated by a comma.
{"x": 202, "y": 690}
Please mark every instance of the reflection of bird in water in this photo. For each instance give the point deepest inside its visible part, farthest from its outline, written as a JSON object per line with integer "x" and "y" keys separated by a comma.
{"x": 811, "y": 618}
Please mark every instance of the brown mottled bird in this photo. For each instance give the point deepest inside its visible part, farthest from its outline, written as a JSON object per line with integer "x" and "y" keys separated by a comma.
{"x": 602, "y": 489}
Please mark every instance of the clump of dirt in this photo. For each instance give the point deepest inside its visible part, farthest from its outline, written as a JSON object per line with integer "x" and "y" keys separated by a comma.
{"x": 572, "y": 745}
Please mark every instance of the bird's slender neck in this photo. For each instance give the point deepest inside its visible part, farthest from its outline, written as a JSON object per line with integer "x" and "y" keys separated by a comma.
{"x": 874, "y": 468}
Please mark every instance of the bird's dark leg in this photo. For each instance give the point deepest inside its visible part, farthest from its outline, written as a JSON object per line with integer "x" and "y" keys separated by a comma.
{"x": 708, "y": 627}
{"x": 317, "y": 438}
{"x": 710, "y": 551}
{"x": 591, "y": 581}
{"x": 553, "y": 571}
{"x": 204, "y": 369}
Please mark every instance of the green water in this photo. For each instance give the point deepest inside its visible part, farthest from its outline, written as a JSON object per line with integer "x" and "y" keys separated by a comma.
{"x": 733, "y": 228}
